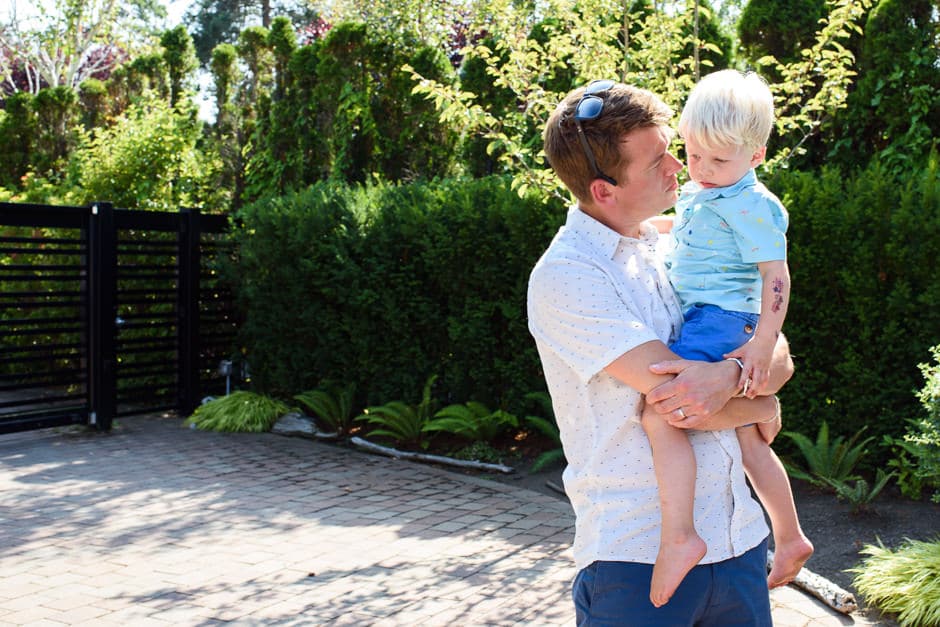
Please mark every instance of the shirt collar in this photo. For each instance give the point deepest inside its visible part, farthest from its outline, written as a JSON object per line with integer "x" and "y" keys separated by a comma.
{"x": 602, "y": 238}
{"x": 745, "y": 182}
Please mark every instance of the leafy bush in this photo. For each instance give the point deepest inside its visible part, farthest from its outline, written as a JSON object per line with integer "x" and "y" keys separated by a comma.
{"x": 862, "y": 255}
{"x": 905, "y": 581}
{"x": 238, "y": 411}
{"x": 472, "y": 420}
{"x": 331, "y": 404}
{"x": 148, "y": 159}
{"x": 861, "y": 495}
{"x": 827, "y": 462}
{"x": 295, "y": 274}
{"x": 403, "y": 423}
{"x": 918, "y": 452}
{"x": 381, "y": 285}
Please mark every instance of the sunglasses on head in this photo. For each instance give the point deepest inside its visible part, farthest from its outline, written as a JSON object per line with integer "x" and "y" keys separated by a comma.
{"x": 589, "y": 108}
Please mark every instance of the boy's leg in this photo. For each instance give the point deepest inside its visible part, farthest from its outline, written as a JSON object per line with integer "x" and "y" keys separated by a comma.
{"x": 791, "y": 547}
{"x": 680, "y": 547}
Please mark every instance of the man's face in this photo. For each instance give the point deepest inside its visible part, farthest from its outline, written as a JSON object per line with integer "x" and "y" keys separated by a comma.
{"x": 720, "y": 167}
{"x": 648, "y": 184}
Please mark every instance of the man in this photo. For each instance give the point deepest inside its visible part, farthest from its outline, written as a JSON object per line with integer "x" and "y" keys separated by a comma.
{"x": 602, "y": 312}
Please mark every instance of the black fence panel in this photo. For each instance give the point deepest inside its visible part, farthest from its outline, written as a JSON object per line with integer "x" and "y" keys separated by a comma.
{"x": 44, "y": 312}
{"x": 108, "y": 312}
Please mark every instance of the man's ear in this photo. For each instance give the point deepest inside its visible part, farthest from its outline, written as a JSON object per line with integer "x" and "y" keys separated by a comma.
{"x": 757, "y": 157}
{"x": 601, "y": 191}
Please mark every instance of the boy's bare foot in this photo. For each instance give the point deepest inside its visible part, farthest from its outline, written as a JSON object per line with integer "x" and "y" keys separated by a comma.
{"x": 789, "y": 558}
{"x": 675, "y": 559}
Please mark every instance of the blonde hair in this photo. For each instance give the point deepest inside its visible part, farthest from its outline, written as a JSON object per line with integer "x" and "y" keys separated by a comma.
{"x": 728, "y": 108}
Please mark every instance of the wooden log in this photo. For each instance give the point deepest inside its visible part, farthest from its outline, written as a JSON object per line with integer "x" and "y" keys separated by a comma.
{"x": 426, "y": 457}
{"x": 818, "y": 586}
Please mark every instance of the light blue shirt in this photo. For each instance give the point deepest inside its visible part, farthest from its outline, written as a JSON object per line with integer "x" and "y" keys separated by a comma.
{"x": 720, "y": 235}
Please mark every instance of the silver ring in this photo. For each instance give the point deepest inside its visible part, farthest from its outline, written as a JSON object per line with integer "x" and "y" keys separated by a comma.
{"x": 681, "y": 413}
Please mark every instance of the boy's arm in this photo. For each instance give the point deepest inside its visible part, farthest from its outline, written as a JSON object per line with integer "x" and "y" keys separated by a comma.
{"x": 756, "y": 353}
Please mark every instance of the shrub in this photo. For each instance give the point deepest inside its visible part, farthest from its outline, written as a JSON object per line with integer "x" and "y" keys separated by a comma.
{"x": 828, "y": 462}
{"x": 332, "y": 404}
{"x": 918, "y": 452}
{"x": 295, "y": 275}
{"x": 905, "y": 582}
{"x": 862, "y": 253}
{"x": 385, "y": 284}
{"x": 148, "y": 159}
{"x": 403, "y": 423}
{"x": 238, "y": 411}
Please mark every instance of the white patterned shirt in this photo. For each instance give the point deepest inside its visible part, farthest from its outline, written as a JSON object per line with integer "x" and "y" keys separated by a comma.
{"x": 592, "y": 297}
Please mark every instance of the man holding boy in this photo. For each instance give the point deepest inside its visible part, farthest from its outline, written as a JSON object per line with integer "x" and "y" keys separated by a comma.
{"x": 602, "y": 313}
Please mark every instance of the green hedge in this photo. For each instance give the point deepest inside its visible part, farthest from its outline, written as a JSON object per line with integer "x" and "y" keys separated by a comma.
{"x": 385, "y": 285}
{"x": 863, "y": 259}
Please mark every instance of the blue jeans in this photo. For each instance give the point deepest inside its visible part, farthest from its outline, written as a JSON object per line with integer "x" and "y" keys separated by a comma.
{"x": 709, "y": 332}
{"x": 725, "y": 594}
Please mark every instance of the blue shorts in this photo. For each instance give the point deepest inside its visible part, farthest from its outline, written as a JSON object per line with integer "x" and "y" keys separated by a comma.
{"x": 709, "y": 332}
{"x": 725, "y": 594}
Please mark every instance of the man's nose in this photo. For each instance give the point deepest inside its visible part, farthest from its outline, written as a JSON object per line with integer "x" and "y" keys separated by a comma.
{"x": 677, "y": 165}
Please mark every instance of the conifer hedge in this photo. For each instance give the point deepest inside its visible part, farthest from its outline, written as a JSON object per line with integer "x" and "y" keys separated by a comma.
{"x": 385, "y": 285}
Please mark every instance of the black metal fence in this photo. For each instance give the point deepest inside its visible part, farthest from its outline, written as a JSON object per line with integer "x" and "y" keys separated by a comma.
{"x": 109, "y": 312}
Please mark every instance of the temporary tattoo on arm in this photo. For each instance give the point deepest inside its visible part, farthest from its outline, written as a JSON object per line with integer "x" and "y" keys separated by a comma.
{"x": 778, "y": 295}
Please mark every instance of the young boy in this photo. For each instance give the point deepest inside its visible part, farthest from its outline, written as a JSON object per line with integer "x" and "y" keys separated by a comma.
{"x": 729, "y": 271}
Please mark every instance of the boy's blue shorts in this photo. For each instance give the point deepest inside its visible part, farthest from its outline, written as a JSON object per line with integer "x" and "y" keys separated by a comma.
{"x": 725, "y": 594}
{"x": 709, "y": 332}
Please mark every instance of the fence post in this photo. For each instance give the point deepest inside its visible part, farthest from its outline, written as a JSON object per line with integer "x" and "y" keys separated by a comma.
{"x": 188, "y": 310}
{"x": 102, "y": 313}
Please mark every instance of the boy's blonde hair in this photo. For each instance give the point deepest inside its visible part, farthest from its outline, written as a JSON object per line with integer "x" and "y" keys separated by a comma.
{"x": 728, "y": 108}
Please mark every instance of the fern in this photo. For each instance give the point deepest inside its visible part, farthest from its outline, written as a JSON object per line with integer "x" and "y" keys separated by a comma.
{"x": 331, "y": 404}
{"x": 404, "y": 424}
{"x": 861, "y": 495}
{"x": 473, "y": 420}
{"x": 827, "y": 460}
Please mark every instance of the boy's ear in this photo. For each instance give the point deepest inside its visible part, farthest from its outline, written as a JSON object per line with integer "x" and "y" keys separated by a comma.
{"x": 757, "y": 157}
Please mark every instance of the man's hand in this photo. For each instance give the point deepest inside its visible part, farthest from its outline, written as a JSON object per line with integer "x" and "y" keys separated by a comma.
{"x": 699, "y": 389}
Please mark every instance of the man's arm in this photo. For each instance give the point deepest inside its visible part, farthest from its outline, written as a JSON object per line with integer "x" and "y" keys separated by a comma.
{"x": 689, "y": 391}
{"x": 713, "y": 385}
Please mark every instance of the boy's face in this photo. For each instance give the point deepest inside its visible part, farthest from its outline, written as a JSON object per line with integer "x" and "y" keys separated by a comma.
{"x": 720, "y": 167}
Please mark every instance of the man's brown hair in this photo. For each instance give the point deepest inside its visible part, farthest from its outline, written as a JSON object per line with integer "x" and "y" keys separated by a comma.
{"x": 625, "y": 108}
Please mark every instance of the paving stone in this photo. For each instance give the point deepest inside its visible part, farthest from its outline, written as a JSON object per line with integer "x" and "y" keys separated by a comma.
{"x": 157, "y": 525}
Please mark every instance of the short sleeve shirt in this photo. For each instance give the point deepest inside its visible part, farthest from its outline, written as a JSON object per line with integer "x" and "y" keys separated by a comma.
{"x": 592, "y": 297}
{"x": 720, "y": 235}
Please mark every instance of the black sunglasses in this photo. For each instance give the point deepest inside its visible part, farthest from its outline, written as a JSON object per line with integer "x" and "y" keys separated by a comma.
{"x": 589, "y": 108}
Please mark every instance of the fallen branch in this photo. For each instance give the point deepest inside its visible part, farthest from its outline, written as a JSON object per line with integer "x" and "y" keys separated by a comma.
{"x": 821, "y": 588}
{"x": 425, "y": 457}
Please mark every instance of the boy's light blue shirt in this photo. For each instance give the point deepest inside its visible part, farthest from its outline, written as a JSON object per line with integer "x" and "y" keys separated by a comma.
{"x": 720, "y": 235}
